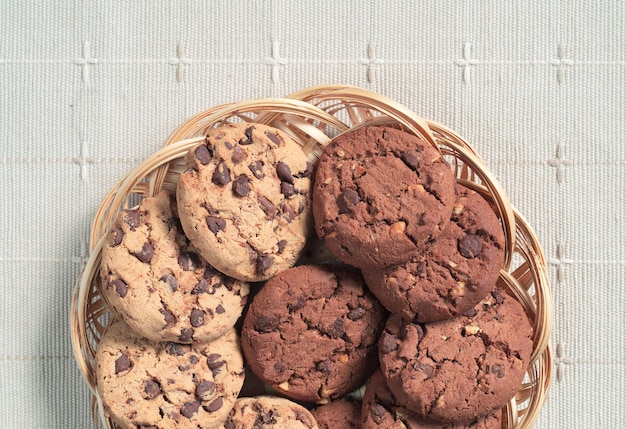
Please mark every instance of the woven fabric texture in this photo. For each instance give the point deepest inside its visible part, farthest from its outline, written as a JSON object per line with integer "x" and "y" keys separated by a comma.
{"x": 88, "y": 89}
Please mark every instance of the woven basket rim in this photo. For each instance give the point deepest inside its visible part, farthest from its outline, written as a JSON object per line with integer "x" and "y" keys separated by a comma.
{"x": 313, "y": 116}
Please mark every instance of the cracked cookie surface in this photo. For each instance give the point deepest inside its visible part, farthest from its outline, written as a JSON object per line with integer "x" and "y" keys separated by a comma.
{"x": 381, "y": 410}
{"x": 311, "y": 332}
{"x": 453, "y": 272}
{"x": 245, "y": 200}
{"x": 340, "y": 414}
{"x": 167, "y": 385}
{"x": 269, "y": 412}
{"x": 379, "y": 195}
{"x": 455, "y": 369}
{"x": 159, "y": 285}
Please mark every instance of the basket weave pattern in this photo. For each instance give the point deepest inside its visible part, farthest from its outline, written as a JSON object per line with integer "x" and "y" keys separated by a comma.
{"x": 312, "y": 117}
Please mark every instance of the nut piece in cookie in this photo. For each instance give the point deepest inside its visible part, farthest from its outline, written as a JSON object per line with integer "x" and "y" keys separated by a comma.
{"x": 380, "y": 195}
{"x": 311, "y": 332}
{"x": 453, "y": 272}
{"x": 456, "y": 369}
{"x": 156, "y": 281}
{"x": 245, "y": 200}
{"x": 143, "y": 383}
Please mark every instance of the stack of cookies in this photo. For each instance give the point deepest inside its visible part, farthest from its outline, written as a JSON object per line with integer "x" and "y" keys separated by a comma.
{"x": 215, "y": 294}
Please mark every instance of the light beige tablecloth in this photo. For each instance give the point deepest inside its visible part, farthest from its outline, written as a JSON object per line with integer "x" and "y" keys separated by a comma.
{"x": 90, "y": 88}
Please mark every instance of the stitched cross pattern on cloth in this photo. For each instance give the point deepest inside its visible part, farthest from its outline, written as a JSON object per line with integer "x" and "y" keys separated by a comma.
{"x": 560, "y": 162}
{"x": 85, "y": 61}
{"x": 561, "y": 63}
{"x": 371, "y": 61}
{"x": 180, "y": 61}
{"x": 275, "y": 61}
{"x": 466, "y": 62}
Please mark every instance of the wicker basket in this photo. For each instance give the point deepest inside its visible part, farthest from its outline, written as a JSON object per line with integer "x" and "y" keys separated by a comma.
{"x": 312, "y": 117}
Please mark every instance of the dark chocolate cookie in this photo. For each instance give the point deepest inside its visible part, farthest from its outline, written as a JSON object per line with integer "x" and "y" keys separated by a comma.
{"x": 456, "y": 369}
{"x": 453, "y": 272}
{"x": 340, "y": 414}
{"x": 311, "y": 332}
{"x": 379, "y": 195}
{"x": 381, "y": 410}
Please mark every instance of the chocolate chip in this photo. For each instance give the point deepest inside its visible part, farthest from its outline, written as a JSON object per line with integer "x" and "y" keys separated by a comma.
{"x": 174, "y": 349}
{"x": 212, "y": 358}
{"x": 410, "y": 160}
{"x": 146, "y": 253}
{"x": 387, "y": 343}
{"x": 266, "y": 205}
{"x": 497, "y": 370}
{"x": 347, "y": 200}
{"x": 287, "y": 189}
{"x": 221, "y": 175}
{"x": 497, "y": 296}
{"x": 188, "y": 261}
{"x": 189, "y": 409}
{"x": 307, "y": 171}
{"x": 228, "y": 145}
{"x": 337, "y": 330}
{"x": 356, "y": 313}
{"x": 378, "y": 412}
{"x": 215, "y": 224}
{"x": 215, "y": 366}
{"x": 280, "y": 367}
{"x": 325, "y": 367}
{"x": 205, "y": 390}
{"x": 118, "y": 236}
{"x": 302, "y": 417}
{"x": 201, "y": 287}
{"x": 266, "y": 324}
{"x": 220, "y": 309}
{"x": 421, "y": 267}
{"x": 185, "y": 335}
{"x": 214, "y": 406}
{"x": 196, "y": 318}
{"x": 202, "y": 154}
{"x": 257, "y": 169}
{"x": 152, "y": 389}
{"x": 470, "y": 313}
{"x": 264, "y": 418}
{"x": 120, "y": 287}
{"x": 248, "y": 140}
{"x": 132, "y": 218}
{"x": 288, "y": 213}
{"x": 425, "y": 368}
{"x": 263, "y": 263}
{"x": 122, "y": 364}
{"x": 170, "y": 280}
{"x": 169, "y": 317}
{"x": 275, "y": 138}
{"x": 284, "y": 172}
{"x": 238, "y": 155}
{"x": 281, "y": 246}
{"x": 470, "y": 246}
{"x": 241, "y": 186}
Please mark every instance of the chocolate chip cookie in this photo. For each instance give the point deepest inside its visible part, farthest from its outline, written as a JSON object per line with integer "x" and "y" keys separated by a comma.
{"x": 146, "y": 384}
{"x": 265, "y": 412}
{"x": 340, "y": 414}
{"x": 381, "y": 410}
{"x": 380, "y": 194}
{"x": 311, "y": 332}
{"x": 456, "y": 369}
{"x": 245, "y": 200}
{"x": 155, "y": 280}
{"x": 453, "y": 272}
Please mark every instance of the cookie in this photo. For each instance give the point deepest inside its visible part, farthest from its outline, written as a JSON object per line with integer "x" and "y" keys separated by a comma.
{"x": 159, "y": 285}
{"x": 381, "y": 410}
{"x": 311, "y": 332}
{"x": 340, "y": 414}
{"x": 380, "y": 194}
{"x": 453, "y": 273}
{"x": 146, "y": 384}
{"x": 244, "y": 201}
{"x": 456, "y": 369}
{"x": 265, "y": 412}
